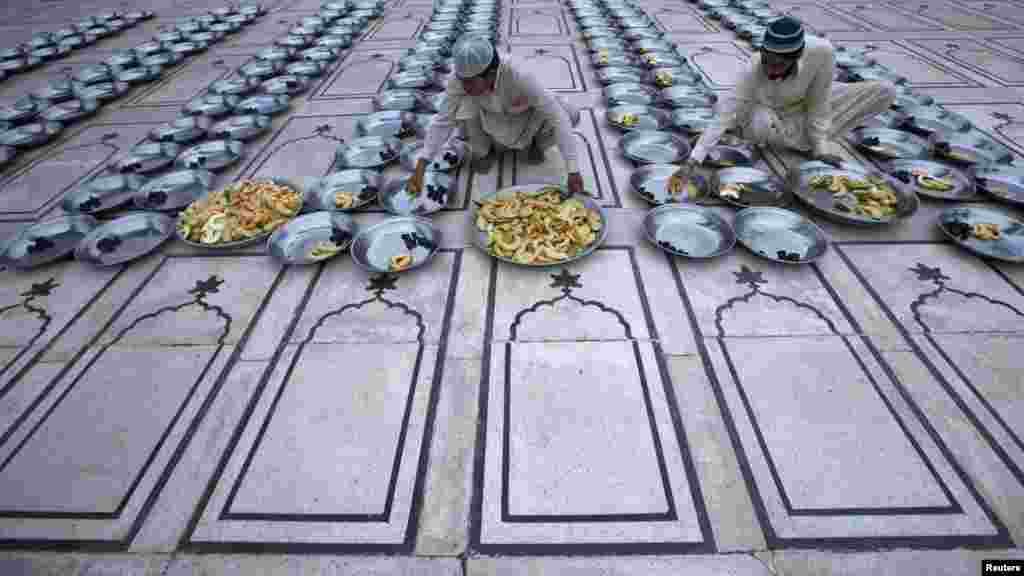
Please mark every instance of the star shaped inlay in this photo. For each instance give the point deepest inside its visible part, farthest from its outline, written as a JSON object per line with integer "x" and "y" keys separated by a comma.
{"x": 209, "y": 286}
{"x": 566, "y": 281}
{"x": 41, "y": 288}
{"x": 748, "y": 276}
{"x": 928, "y": 273}
{"x": 382, "y": 282}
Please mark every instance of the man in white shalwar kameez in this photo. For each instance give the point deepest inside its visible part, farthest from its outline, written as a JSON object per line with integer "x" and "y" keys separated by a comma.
{"x": 499, "y": 105}
{"x": 787, "y": 98}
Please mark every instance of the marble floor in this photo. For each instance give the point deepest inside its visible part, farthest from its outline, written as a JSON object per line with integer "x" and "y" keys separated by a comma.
{"x": 219, "y": 413}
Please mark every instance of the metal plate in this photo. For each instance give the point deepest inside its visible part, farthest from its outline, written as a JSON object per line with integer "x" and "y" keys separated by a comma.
{"x": 780, "y": 235}
{"x": 364, "y": 186}
{"x": 285, "y": 84}
{"x": 631, "y": 93}
{"x": 907, "y": 100}
{"x": 139, "y": 74}
{"x": 263, "y": 104}
{"x": 654, "y": 147}
{"x": 183, "y": 130}
{"x": 645, "y": 45}
{"x": 276, "y": 55}
{"x": 955, "y": 222}
{"x": 212, "y": 105}
{"x": 22, "y": 111}
{"x": 374, "y": 247}
{"x": 823, "y": 202}
{"x": 606, "y": 58}
{"x": 126, "y": 238}
{"x": 261, "y": 69}
{"x": 368, "y": 152}
{"x": 305, "y": 69}
{"x": 970, "y": 148}
{"x": 888, "y": 143}
{"x": 163, "y": 59}
{"x": 67, "y": 112}
{"x": 46, "y": 241}
{"x": 321, "y": 54}
{"x": 927, "y": 120}
{"x": 213, "y": 155}
{"x": 401, "y": 100}
{"x": 962, "y": 185}
{"x": 654, "y": 60}
{"x": 677, "y": 76}
{"x": 103, "y": 92}
{"x": 647, "y": 118}
{"x": 693, "y": 120}
{"x": 731, "y": 156}
{"x": 690, "y": 231}
{"x": 618, "y": 74}
{"x": 609, "y": 43}
{"x": 1006, "y": 183}
{"x": 312, "y": 238}
{"x": 95, "y": 74}
{"x": 437, "y": 187}
{"x": 417, "y": 80}
{"x": 479, "y": 238}
{"x": 248, "y": 241}
{"x": 650, "y": 182}
{"x": 30, "y": 135}
{"x": 173, "y": 191}
{"x": 765, "y": 188}
{"x": 687, "y": 97}
{"x": 146, "y": 157}
{"x": 388, "y": 123}
{"x": 449, "y": 158}
{"x": 871, "y": 74}
{"x": 241, "y": 128}
{"x": 102, "y": 194}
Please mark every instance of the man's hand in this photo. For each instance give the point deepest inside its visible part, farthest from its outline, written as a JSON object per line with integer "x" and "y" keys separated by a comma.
{"x": 415, "y": 185}
{"x": 830, "y": 159}
{"x": 575, "y": 183}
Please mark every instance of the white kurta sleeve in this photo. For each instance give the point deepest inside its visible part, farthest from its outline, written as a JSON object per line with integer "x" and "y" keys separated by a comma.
{"x": 819, "y": 106}
{"x": 552, "y": 111}
{"x": 442, "y": 124}
{"x": 738, "y": 105}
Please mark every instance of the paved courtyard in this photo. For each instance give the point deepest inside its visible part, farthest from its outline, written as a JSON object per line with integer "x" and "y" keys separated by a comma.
{"x": 631, "y": 413}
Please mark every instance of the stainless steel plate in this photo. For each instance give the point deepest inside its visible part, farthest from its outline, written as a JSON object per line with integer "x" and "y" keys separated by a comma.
{"x": 654, "y": 147}
{"x": 102, "y": 193}
{"x": 687, "y": 97}
{"x": 765, "y": 189}
{"x": 312, "y": 238}
{"x": 363, "y": 185}
{"x": 693, "y": 120}
{"x": 889, "y": 144}
{"x": 212, "y": 155}
{"x": 841, "y": 209}
{"x": 437, "y": 187}
{"x": 780, "y": 235}
{"x": 674, "y": 76}
{"x": 30, "y": 135}
{"x": 617, "y": 74}
{"x": 970, "y": 148}
{"x": 663, "y": 60}
{"x": 139, "y": 74}
{"x": 146, "y": 157}
{"x": 731, "y": 156}
{"x": 632, "y": 93}
{"x": 690, "y": 231}
{"x": 402, "y": 100}
{"x": 305, "y": 69}
{"x": 1004, "y": 182}
{"x": 263, "y": 104}
{"x": 183, "y": 130}
{"x": 261, "y": 69}
{"x": 95, "y": 74}
{"x": 46, "y": 241}
{"x": 606, "y": 58}
{"x": 368, "y": 152}
{"x": 277, "y": 55}
{"x": 416, "y": 238}
{"x": 958, "y": 185}
{"x": 956, "y": 222}
{"x": 871, "y": 74}
{"x": 241, "y": 128}
{"x": 450, "y": 157}
{"x": 417, "y": 80}
{"x": 126, "y": 238}
{"x": 388, "y": 124}
{"x": 643, "y": 118}
{"x": 173, "y": 191}
{"x": 71, "y": 111}
{"x": 927, "y": 120}
{"x": 285, "y": 84}
{"x": 211, "y": 105}
{"x": 650, "y": 182}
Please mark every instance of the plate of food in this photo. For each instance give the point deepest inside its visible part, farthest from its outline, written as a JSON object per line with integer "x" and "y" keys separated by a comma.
{"x": 856, "y": 197}
{"x": 312, "y": 238}
{"x": 531, "y": 225}
{"x": 933, "y": 179}
{"x": 450, "y": 157}
{"x": 46, "y": 241}
{"x": 888, "y": 143}
{"x": 388, "y": 123}
{"x": 970, "y": 149}
{"x": 988, "y": 231}
{"x": 174, "y": 190}
{"x": 604, "y": 58}
{"x": 654, "y": 147}
{"x": 124, "y": 239}
{"x": 1006, "y": 183}
{"x": 619, "y": 74}
{"x": 345, "y": 190}
{"x": 102, "y": 193}
{"x": 661, "y": 184}
{"x": 630, "y": 93}
{"x": 663, "y": 60}
{"x": 780, "y": 235}
{"x": 240, "y": 214}
{"x": 646, "y": 45}
{"x": 396, "y": 196}
{"x": 689, "y": 231}
{"x": 398, "y": 244}
{"x": 610, "y": 43}
{"x": 748, "y": 187}
{"x": 368, "y": 152}
{"x": 629, "y": 117}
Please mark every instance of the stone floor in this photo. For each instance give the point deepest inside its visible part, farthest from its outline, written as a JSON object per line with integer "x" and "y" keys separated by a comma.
{"x": 195, "y": 413}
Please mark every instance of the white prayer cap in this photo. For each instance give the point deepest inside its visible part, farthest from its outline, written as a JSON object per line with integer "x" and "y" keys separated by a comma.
{"x": 472, "y": 55}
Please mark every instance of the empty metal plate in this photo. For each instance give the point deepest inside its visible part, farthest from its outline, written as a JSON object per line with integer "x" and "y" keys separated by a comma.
{"x": 368, "y": 152}
{"x": 213, "y": 155}
{"x": 417, "y": 80}
{"x": 212, "y": 105}
{"x": 388, "y": 123}
{"x": 278, "y": 54}
{"x": 690, "y": 231}
{"x": 174, "y": 190}
{"x": 187, "y": 48}
{"x": 320, "y": 54}
{"x": 619, "y": 74}
{"x": 888, "y": 143}
{"x": 162, "y": 59}
{"x": 241, "y": 128}
{"x": 654, "y": 147}
{"x": 285, "y": 84}
{"x": 927, "y": 120}
{"x": 146, "y": 157}
{"x": 651, "y": 182}
{"x": 30, "y": 135}
{"x": 402, "y": 100}
{"x": 970, "y": 148}
{"x": 263, "y": 104}
{"x": 958, "y": 223}
{"x": 731, "y": 156}
{"x": 124, "y": 239}
{"x": 102, "y": 193}
{"x": 67, "y": 112}
{"x": 780, "y": 235}
{"x": 397, "y": 199}
{"x": 1004, "y": 182}
{"x": 139, "y": 74}
{"x": 687, "y": 97}
{"x": 630, "y": 93}
{"x": 448, "y": 159}
{"x": 46, "y": 241}
{"x": 761, "y": 188}
{"x": 693, "y": 120}
{"x": 183, "y": 130}
{"x": 103, "y": 92}
{"x": 24, "y": 110}
{"x": 842, "y": 207}
{"x": 407, "y": 241}
{"x": 629, "y": 117}
{"x": 305, "y": 68}
{"x": 312, "y": 238}
{"x": 261, "y": 69}
{"x": 345, "y": 190}
{"x": 907, "y": 100}
{"x": 933, "y": 179}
